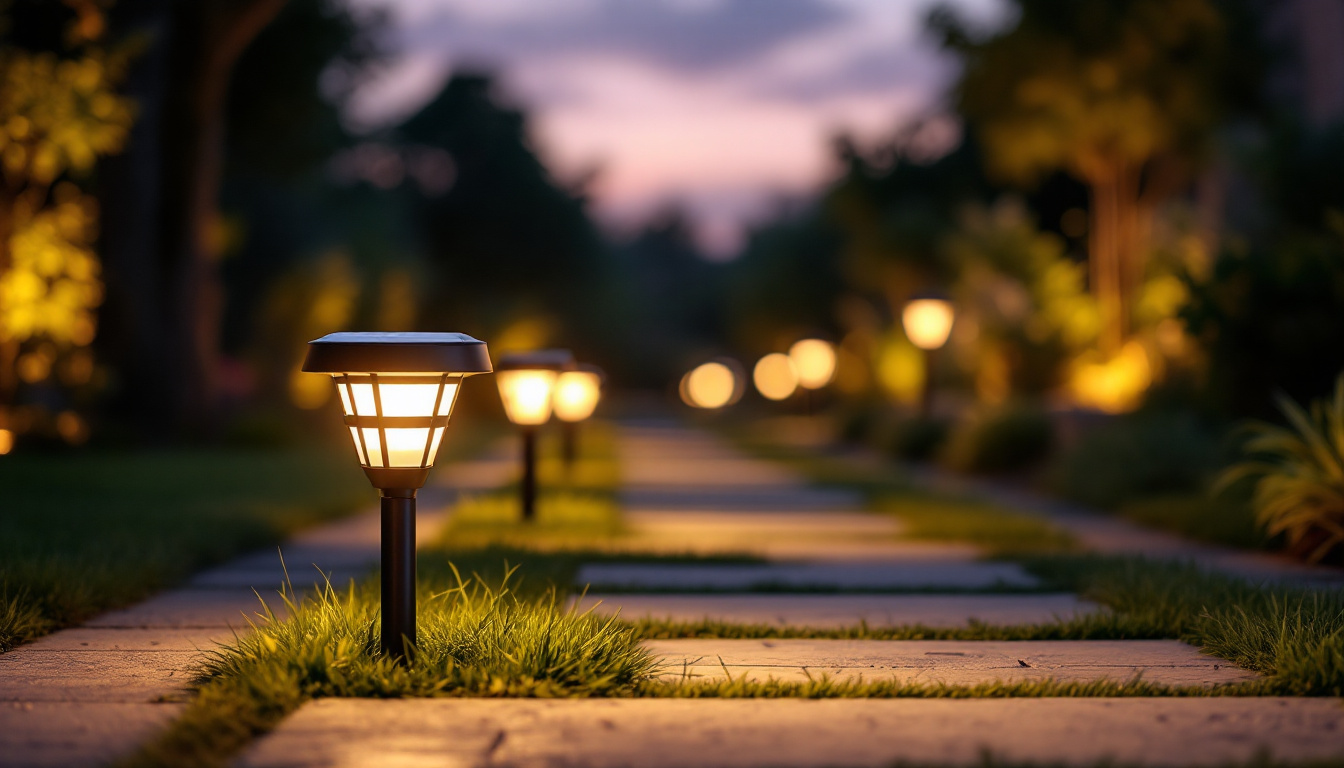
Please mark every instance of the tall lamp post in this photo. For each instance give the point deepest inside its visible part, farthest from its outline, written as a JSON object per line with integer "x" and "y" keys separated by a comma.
{"x": 577, "y": 393}
{"x": 928, "y": 322}
{"x": 527, "y": 386}
{"x": 397, "y": 391}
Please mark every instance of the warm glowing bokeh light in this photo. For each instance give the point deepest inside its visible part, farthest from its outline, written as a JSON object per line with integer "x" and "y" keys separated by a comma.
{"x": 576, "y": 395}
{"x": 775, "y": 377}
{"x": 928, "y": 322}
{"x": 6, "y": 441}
{"x": 1116, "y": 385}
{"x": 711, "y": 385}
{"x": 397, "y": 396}
{"x": 814, "y": 361}
{"x": 527, "y": 394}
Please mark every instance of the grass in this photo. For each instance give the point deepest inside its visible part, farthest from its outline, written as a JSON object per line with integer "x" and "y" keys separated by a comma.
{"x": 1200, "y": 516}
{"x": 475, "y": 639}
{"x": 1001, "y": 533}
{"x": 85, "y": 532}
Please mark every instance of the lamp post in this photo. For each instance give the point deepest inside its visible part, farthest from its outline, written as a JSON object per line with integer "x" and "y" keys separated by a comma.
{"x": 577, "y": 393}
{"x": 814, "y": 360}
{"x": 928, "y": 321}
{"x": 527, "y": 385}
{"x": 397, "y": 391}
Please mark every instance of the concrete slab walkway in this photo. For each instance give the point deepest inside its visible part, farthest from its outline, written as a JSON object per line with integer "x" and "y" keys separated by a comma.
{"x": 751, "y": 733}
{"x": 954, "y": 662}
{"x": 822, "y": 611}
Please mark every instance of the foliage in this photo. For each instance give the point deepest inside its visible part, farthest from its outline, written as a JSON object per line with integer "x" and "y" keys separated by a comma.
{"x": 1123, "y": 94}
{"x": 1222, "y": 520}
{"x": 1026, "y": 298}
{"x": 1000, "y": 439}
{"x": 1132, "y": 457}
{"x": 919, "y": 438}
{"x": 59, "y": 113}
{"x": 1299, "y": 471}
{"x": 133, "y": 523}
{"x": 1263, "y": 316}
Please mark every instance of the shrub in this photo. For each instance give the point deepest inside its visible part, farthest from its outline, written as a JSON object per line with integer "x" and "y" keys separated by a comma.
{"x": 1299, "y": 472}
{"x": 919, "y": 439}
{"x": 1000, "y": 440}
{"x": 1137, "y": 456}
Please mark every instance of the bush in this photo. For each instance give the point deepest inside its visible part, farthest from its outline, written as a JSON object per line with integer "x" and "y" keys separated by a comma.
{"x": 1200, "y": 516}
{"x": 1004, "y": 439}
{"x": 1135, "y": 457}
{"x": 1299, "y": 470}
{"x": 919, "y": 439}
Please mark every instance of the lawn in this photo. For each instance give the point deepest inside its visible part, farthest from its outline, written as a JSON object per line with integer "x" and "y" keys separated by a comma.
{"x": 85, "y": 532}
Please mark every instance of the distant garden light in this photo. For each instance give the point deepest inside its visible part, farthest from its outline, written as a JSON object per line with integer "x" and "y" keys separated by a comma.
{"x": 775, "y": 377}
{"x": 577, "y": 394}
{"x": 527, "y": 387}
{"x": 814, "y": 360}
{"x": 928, "y": 323}
{"x": 710, "y": 386}
{"x": 397, "y": 392}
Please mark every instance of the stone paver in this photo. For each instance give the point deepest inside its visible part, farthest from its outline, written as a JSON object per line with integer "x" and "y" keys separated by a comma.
{"x": 841, "y": 611}
{"x": 922, "y": 575}
{"x": 954, "y": 662}
{"x": 65, "y": 735}
{"x": 662, "y": 733}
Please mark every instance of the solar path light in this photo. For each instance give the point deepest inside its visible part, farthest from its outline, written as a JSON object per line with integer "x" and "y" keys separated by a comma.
{"x": 577, "y": 393}
{"x": 928, "y": 322}
{"x": 397, "y": 391}
{"x": 527, "y": 387}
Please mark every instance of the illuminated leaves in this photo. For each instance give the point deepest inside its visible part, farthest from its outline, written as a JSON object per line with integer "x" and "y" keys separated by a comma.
{"x": 59, "y": 115}
{"x": 53, "y": 286}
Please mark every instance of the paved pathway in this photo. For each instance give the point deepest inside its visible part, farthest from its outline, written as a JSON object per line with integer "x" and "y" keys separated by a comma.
{"x": 84, "y": 696}
{"x": 687, "y": 492}
{"x": 746, "y": 733}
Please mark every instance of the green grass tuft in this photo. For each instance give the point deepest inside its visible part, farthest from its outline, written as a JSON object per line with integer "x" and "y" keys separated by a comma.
{"x": 999, "y": 532}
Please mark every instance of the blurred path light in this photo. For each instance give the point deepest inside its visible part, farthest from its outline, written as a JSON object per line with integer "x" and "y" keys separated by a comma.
{"x": 928, "y": 322}
{"x": 6, "y": 441}
{"x": 577, "y": 393}
{"x": 710, "y": 385}
{"x": 814, "y": 361}
{"x": 775, "y": 376}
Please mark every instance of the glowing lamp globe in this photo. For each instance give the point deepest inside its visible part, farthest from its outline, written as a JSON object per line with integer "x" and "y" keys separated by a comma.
{"x": 928, "y": 322}
{"x": 577, "y": 393}
{"x": 397, "y": 392}
{"x": 709, "y": 385}
{"x": 814, "y": 360}
{"x": 775, "y": 377}
{"x": 527, "y": 384}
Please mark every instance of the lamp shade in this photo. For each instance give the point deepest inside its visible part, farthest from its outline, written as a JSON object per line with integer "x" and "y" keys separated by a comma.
{"x": 397, "y": 391}
{"x": 577, "y": 393}
{"x": 527, "y": 383}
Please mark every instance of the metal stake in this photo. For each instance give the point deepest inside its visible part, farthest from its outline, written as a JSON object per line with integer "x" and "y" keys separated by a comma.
{"x": 398, "y": 572}
{"x": 529, "y": 482}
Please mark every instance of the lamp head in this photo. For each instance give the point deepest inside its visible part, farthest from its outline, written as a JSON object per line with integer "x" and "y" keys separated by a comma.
{"x": 577, "y": 393}
{"x": 397, "y": 391}
{"x": 527, "y": 383}
{"x": 814, "y": 359}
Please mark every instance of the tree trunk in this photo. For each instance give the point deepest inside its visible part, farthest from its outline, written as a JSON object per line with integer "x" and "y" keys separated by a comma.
{"x": 207, "y": 39}
{"x": 1104, "y": 260}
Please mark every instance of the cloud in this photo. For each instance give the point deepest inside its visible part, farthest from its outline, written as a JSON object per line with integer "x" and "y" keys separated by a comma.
{"x": 865, "y": 73}
{"x": 697, "y": 38}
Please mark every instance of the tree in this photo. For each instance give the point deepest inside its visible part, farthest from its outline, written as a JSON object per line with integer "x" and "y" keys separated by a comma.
{"x": 59, "y": 112}
{"x": 1123, "y": 94}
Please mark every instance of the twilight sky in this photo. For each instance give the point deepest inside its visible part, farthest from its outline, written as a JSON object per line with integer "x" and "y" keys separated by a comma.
{"x": 721, "y": 106}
